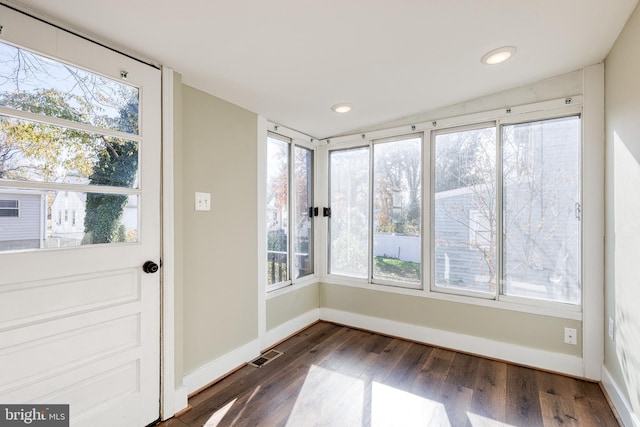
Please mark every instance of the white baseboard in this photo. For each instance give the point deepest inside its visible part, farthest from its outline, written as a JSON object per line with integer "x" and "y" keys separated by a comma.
{"x": 619, "y": 400}
{"x": 289, "y": 328}
{"x": 218, "y": 368}
{"x": 562, "y": 363}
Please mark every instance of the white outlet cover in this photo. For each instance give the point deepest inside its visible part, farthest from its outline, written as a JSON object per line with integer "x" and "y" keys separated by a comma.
{"x": 570, "y": 336}
{"x": 203, "y": 201}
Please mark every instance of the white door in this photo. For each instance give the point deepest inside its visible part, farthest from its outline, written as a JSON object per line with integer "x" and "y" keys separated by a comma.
{"x": 79, "y": 216}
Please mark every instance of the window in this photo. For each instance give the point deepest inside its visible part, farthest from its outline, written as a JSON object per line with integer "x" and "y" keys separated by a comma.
{"x": 541, "y": 210}
{"x": 349, "y": 222}
{"x": 9, "y": 208}
{"x": 464, "y": 225}
{"x": 521, "y": 231}
{"x": 69, "y": 127}
{"x": 376, "y": 211}
{"x": 289, "y": 195}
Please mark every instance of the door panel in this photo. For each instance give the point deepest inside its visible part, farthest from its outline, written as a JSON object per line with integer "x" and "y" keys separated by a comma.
{"x": 80, "y": 325}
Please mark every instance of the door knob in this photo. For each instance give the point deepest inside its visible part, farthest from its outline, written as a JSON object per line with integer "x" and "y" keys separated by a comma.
{"x": 150, "y": 267}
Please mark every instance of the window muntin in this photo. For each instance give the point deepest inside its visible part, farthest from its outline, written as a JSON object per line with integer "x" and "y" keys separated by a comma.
{"x": 541, "y": 205}
{"x": 464, "y": 210}
{"x": 349, "y": 222}
{"x": 40, "y": 85}
{"x": 303, "y": 190}
{"x": 397, "y": 210}
{"x": 277, "y": 210}
{"x": 9, "y": 209}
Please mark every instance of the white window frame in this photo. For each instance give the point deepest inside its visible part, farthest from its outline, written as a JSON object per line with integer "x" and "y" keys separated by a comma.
{"x": 369, "y": 281}
{"x": 549, "y": 109}
{"x": 293, "y": 139}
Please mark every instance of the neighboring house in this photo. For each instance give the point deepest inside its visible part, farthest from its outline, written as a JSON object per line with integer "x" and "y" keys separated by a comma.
{"x": 22, "y": 219}
{"x": 67, "y": 218}
{"x": 68, "y": 213}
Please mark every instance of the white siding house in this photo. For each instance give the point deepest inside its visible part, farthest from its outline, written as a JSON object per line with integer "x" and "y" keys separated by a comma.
{"x": 22, "y": 219}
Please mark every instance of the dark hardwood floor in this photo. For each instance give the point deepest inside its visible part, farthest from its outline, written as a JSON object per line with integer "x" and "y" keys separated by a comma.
{"x": 330, "y": 375}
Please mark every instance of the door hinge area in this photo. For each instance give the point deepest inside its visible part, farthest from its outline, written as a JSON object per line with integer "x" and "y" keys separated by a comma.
{"x": 578, "y": 211}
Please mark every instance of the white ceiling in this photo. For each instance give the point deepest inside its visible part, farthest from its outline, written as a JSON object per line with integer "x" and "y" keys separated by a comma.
{"x": 291, "y": 60}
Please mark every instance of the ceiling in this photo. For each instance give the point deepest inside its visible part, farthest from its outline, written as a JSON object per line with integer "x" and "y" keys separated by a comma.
{"x": 291, "y": 60}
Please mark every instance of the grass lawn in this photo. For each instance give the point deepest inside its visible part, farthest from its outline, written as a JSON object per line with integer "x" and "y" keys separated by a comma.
{"x": 396, "y": 269}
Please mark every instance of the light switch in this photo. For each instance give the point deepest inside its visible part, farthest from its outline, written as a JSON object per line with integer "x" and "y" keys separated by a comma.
{"x": 203, "y": 201}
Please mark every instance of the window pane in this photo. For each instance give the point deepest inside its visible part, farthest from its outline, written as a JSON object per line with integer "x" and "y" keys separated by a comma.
{"x": 34, "y": 151}
{"x": 397, "y": 210}
{"x": 303, "y": 244}
{"x": 541, "y": 190}
{"x": 44, "y": 221}
{"x": 34, "y": 83}
{"x": 349, "y": 201}
{"x": 465, "y": 210}
{"x": 277, "y": 210}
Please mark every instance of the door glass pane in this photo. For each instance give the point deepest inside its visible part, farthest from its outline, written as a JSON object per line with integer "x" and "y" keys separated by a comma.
{"x": 540, "y": 196}
{"x": 57, "y": 219}
{"x": 397, "y": 212}
{"x": 465, "y": 210}
{"x": 349, "y": 201}
{"x": 40, "y": 85}
{"x": 277, "y": 210}
{"x": 303, "y": 243}
{"x": 34, "y": 151}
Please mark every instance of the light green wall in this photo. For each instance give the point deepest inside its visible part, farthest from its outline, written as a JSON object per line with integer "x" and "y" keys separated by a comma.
{"x": 286, "y": 307}
{"x": 622, "y": 287}
{"x": 219, "y": 265}
{"x": 528, "y": 330}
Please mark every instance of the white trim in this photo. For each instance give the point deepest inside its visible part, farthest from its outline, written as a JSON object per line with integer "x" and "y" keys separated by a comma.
{"x": 261, "y": 250}
{"x": 221, "y": 366}
{"x": 593, "y": 224}
{"x": 619, "y": 400}
{"x": 556, "y": 362}
{"x": 503, "y": 114}
{"x": 291, "y": 133}
{"x": 170, "y": 400}
{"x": 291, "y": 327}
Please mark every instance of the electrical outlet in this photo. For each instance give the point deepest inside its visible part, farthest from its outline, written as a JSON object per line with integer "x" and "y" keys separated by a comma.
{"x": 203, "y": 201}
{"x": 570, "y": 336}
{"x": 611, "y": 328}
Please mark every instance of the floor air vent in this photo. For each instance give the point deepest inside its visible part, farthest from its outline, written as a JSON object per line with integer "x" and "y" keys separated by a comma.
{"x": 265, "y": 358}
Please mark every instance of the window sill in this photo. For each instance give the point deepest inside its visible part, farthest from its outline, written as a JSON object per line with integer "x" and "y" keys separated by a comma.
{"x": 543, "y": 308}
{"x": 307, "y": 281}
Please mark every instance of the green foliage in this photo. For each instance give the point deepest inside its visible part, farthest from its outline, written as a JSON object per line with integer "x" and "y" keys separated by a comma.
{"x": 117, "y": 165}
{"x": 393, "y": 268}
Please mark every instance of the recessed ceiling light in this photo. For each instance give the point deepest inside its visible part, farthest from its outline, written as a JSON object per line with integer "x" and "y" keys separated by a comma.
{"x": 341, "y": 108}
{"x": 496, "y": 56}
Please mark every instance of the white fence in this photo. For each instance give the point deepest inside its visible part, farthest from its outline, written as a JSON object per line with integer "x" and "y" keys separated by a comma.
{"x": 405, "y": 248}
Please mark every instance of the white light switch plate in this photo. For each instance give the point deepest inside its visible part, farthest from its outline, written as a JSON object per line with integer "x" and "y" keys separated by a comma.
{"x": 203, "y": 201}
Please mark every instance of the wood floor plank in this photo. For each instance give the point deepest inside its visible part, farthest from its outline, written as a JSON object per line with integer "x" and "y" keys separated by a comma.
{"x": 490, "y": 390}
{"x": 463, "y": 370}
{"x": 433, "y": 373}
{"x": 332, "y": 375}
{"x": 523, "y": 402}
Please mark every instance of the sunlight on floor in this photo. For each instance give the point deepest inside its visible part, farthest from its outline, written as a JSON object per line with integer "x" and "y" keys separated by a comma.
{"x": 219, "y": 414}
{"x": 340, "y": 403}
{"x": 480, "y": 421}
{"x": 393, "y": 407}
{"x": 347, "y": 401}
